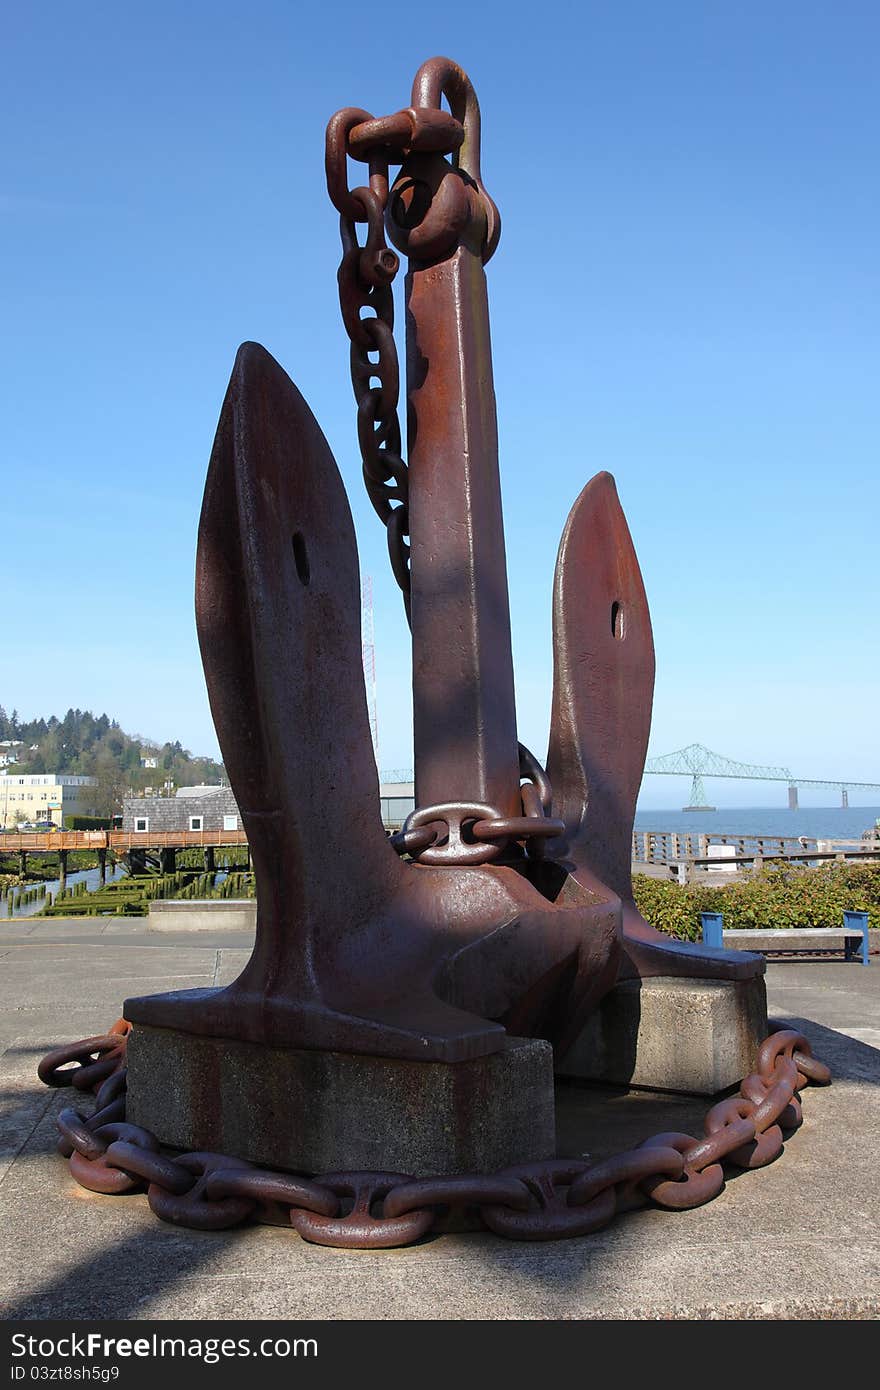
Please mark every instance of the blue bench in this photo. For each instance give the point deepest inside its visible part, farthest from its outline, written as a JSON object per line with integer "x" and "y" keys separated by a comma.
{"x": 816, "y": 941}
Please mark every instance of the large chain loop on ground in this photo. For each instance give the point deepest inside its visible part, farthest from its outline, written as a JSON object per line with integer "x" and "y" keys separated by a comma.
{"x": 149, "y": 1165}
{"x": 758, "y": 1149}
{"x": 98, "y": 1058}
{"x": 109, "y": 1114}
{"x": 192, "y": 1208}
{"x": 796, "y": 1047}
{"x": 548, "y": 1200}
{"x": 696, "y": 1184}
{"x": 464, "y": 1190}
{"x": 550, "y": 1214}
{"x": 111, "y": 1089}
{"x": 277, "y": 1195}
{"x": 757, "y": 1089}
{"x": 76, "y": 1136}
{"x": 102, "y": 1174}
{"x": 623, "y": 1173}
{"x": 771, "y": 1095}
{"x": 716, "y": 1147}
{"x": 359, "y": 1229}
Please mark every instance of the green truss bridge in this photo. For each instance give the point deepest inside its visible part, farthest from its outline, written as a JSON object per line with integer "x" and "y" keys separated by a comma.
{"x": 698, "y": 762}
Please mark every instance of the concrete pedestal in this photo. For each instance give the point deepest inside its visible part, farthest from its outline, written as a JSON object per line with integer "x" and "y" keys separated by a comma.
{"x": 696, "y": 1036}
{"x": 313, "y": 1112}
{"x": 197, "y": 914}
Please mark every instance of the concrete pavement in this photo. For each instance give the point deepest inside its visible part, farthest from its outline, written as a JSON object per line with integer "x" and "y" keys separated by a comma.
{"x": 798, "y": 1239}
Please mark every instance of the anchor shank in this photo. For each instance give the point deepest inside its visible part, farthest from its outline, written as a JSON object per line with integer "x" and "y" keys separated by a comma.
{"x": 463, "y": 695}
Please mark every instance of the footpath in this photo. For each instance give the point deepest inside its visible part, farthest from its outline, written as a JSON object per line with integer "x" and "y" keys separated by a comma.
{"x": 798, "y": 1239}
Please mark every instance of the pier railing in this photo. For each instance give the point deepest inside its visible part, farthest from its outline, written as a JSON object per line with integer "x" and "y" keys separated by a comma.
{"x": 50, "y": 842}
{"x": 684, "y": 869}
{"x": 686, "y": 854}
{"x": 670, "y": 847}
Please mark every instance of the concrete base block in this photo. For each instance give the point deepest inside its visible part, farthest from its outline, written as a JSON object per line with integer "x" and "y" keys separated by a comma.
{"x": 696, "y": 1036}
{"x": 195, "y": 914}
{"x": 313, "y": 1112}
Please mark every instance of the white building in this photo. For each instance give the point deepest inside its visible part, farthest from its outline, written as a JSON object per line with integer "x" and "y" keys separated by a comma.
{"x": 10, "y": 750}
{"x": 397, "y": 800}
{"x": 44, "y": 796}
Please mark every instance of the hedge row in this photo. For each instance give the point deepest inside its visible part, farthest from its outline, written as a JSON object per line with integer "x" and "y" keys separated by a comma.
{"x": 778, "y": 896}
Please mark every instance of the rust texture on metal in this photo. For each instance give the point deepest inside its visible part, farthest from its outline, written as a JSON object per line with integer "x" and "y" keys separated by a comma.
{"x": 548, "y": 1200}
{"x": 505, "y": 903}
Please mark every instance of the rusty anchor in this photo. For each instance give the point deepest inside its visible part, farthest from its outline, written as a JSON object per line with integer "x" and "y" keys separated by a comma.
{"x": 505, "y": 905}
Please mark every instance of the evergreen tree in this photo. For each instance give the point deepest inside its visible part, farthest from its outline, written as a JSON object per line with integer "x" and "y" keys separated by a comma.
{"x": 82, "y": 743}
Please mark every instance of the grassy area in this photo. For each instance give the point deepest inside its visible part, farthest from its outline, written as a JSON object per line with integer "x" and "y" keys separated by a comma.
{"x": 779, "y": 896}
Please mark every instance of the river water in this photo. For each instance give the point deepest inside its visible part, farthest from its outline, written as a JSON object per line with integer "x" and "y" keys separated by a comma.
{"x": 91, "y": 877}
{"x": 815, "y": 822}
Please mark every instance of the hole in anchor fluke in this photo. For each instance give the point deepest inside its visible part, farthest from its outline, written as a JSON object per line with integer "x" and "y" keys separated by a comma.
{"x": 301, "y": 557}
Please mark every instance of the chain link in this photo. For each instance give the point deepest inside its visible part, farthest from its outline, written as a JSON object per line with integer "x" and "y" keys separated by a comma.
{"x": 95, "y": 1060}
{"x": 552, "y": 1199}
{"x": 464, "y": 832}
{"x": 367, "y": 270}
{"x": 365, "y": 276}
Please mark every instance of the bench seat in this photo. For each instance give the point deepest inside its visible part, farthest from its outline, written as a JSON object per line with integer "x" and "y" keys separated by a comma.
{"x": 847, "y": 941}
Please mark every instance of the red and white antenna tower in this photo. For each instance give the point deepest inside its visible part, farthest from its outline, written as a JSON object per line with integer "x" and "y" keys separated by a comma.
{"x": 368, "y": 653}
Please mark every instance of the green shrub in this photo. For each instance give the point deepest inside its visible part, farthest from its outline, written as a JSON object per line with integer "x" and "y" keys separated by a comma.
{"x": 779, "y": 896}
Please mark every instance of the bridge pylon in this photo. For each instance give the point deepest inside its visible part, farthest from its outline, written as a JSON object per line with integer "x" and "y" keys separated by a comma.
{"x": 792, "y": 797}
{"x": 698, "y": 801}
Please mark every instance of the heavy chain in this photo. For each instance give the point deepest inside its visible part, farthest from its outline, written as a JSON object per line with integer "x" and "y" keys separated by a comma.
{"x": 465, "y": 832}
{"x": 454, "y": 833}
{"x": 365, "y": 275}
{"x": 545, "y": 1200}
{"x": 366, "y": 271}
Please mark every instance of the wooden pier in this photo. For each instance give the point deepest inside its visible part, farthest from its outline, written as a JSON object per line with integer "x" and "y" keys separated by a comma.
{"x": 134, "y": 844}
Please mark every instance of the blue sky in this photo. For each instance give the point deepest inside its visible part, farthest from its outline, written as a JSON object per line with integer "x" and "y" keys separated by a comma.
{"x": 685, "y": 293}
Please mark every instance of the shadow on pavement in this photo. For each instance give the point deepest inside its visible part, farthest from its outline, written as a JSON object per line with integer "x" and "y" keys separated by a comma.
{"x": 120, "y": 1280}
{"x": 849, "y": 1058}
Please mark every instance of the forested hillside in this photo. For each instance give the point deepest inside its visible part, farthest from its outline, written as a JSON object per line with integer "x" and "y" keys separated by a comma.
{"x": 95, "y": 746}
